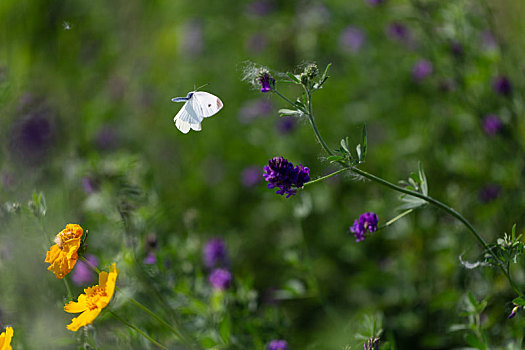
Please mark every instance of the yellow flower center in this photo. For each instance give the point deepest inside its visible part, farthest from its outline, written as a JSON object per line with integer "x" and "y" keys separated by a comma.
{"x": 94, "y": 296}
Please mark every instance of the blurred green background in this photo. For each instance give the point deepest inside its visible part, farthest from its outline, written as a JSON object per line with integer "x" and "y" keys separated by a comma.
{"x": 86, "y": 119}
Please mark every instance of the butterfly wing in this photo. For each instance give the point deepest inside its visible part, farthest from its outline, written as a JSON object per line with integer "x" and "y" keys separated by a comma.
{"x": 187, "y": 118}
{"x": 205, "y": 104}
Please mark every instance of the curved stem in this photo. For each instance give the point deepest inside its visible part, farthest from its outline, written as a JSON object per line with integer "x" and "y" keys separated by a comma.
{"x": 391, "y": 221}
{"x": 312, "y": 122}
{"x": 326, "y": 176}
{"x": 449, "y": 210}
{"x": 153, "y": 341}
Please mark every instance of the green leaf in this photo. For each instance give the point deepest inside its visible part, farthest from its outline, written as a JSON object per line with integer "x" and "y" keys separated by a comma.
{"x": 359, "y": 154}
{"x": 333, "y": 159}
{"x": 325, "y": 73}
{"x": 344, "y": 145}
{"x": 519, "y": 301}
{"x": 423, "y": 180}
{"x": 363, "y": 142}
{"x": 293, "y": 77}
{"x": 224, "y": 328}
{"x": 284, "y": 112}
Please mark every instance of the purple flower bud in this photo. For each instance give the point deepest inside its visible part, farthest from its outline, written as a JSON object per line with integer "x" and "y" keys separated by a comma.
{"x": 398, "y": 31}
{"x": 150, "y": 259}
{"x": 277, "y": 344}
{"x": 282, "y": 174}
{"x": 367, "y": 222}
{"x": 251, "y": 176}
{"x": 514, "y": 311}
{"x": 501, "y": 84}
{"x": 492, "y": 124}
{"x": 220, "y": 279}
{"x": 422, "y": 69}
{"x": 83, "y": 273}
{"x": 352, "y": 39}
{"x": 214, "y": 253}
{"x": 266, "y": 81}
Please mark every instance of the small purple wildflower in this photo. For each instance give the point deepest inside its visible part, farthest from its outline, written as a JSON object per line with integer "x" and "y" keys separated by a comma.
{"x": 371, "y": 344}
{"x": 367, "y": 222}
{"x": 421, "y": 70}
{"x": 83, "y": 273}
{"x": 513, "y": 313}
{"x": 501, "y": 84}
{"x": 375, "y": 2}
{"x": 214, "y": 253}
{"x": 150, "y": 259}
{"x": 489, "y": 193}
{"x": 492, "y": 124}
{"x": 282, "y": 174}
{"x": 286, "y": 125}
{"x": 352, "y": 39}
{"x": 399, "y": 32}
{"x": 266, "y": 81}
{"x": 251, "y": 176}
{"x": 260, "y": 8}
{"x": 220, "y": 279}
{"x": 89, "y": 185}
{"x": 277, "y": 344}
{"x": 254, "y": 109}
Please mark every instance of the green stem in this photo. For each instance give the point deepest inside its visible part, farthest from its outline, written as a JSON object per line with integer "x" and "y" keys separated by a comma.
{"x": 68, "y": 289}
{"x": 327, "y": 176}
{"x": 428, "y": 199}
{"x": 178, "y": 333}
{"x": 449, "y": 210}
{"x": 390, "y": 222}
{"x": 153, "y": 341}
{"x": 289, "y": 101}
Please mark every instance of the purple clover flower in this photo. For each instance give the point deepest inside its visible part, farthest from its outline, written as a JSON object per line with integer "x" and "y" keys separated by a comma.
{"x": 492, "y": 124}
{"x": 367, "y": 222}
{"x": 150, "y": 259}
{"x": 352, "y": 39}
{"x": 266, "y": 81}
{"x": 286, "y": 124}
{"x": 83, "y": 273}
{"x": 89, "y": 184}
{"x": 214, "y": 253}
{"x": 422, "y": 69}
{"x": 251, "y": 176}
{"x": 489, "y": 193}
{"x": 501, "y": 84}
{"x": 282, "y": 174}
{"x": 277, "y": 344}
{"x": 399, "y": 32}
{"x": 220, "y": 279}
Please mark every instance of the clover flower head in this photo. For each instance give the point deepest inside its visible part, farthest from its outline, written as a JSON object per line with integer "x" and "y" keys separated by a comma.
{"x": 282, "y": 174}
{"x": 492, "y": 124}
{"x": 214, "y": 253}
{"x": 277, "y": 344}
{"x": 220, "y": 279}
{"x": 266, "y": 81}
{"x": 501, "y": 84}
{"x": 422, "y": 69}
{"x": 367, "y": 222}
{"x": 5, "y": 339}
{"x": 63, "y": 255}
{"x": 94, "y": 299}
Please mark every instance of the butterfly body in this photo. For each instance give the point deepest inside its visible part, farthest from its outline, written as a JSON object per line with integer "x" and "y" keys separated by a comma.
{"x": 198, "y": 105}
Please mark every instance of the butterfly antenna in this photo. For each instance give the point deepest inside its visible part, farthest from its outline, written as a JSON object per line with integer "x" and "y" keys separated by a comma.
{"x": 202, "y": 86}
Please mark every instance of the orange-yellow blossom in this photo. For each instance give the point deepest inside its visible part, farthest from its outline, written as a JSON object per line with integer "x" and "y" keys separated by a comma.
{"x": 94, "y": 300}
{"x": 5, "y": 339}
{"x": 63, "y": 255}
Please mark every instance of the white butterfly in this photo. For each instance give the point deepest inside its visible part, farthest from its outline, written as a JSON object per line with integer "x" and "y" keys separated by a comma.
{"x": 199, "y": 105}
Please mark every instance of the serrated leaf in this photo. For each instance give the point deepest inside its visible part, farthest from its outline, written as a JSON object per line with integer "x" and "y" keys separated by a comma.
{"x": 293, "y": 77}
{"x": 284, "y": 112}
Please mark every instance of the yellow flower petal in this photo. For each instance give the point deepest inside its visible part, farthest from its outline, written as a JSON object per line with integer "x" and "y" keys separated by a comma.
{"x": 76, "y": 307}
{"x": 85, "y": 318}
{"x": 5, "y": 339}
{"x": 112, "y": 280}
{"x": 63, "y": 256}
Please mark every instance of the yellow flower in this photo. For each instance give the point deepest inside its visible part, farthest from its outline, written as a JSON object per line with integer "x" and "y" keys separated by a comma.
{"x": 5, "y": 339}
{"x": 93, "y": 301}
{"x": 63, "y": 255}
